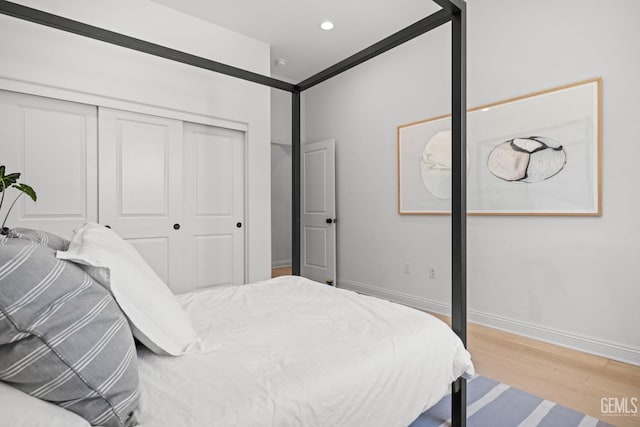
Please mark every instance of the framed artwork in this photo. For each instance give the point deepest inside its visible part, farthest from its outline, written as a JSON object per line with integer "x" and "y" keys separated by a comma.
{"x": 538, "y": 154}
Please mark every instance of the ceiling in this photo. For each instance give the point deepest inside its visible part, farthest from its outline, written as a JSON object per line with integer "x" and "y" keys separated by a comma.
{"x": 292, "y": 27}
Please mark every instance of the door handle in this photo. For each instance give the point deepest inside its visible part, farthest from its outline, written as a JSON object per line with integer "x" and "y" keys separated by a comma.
{"x": 330, "y": 220}
{"x": 239, "y": 225}
{"x": 176, "y": 226}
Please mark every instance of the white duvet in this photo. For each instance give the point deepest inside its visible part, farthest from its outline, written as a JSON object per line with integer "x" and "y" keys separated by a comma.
{"x": 291, "y": 352}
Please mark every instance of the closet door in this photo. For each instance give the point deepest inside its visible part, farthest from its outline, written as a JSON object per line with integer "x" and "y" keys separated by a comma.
{"x": 140, "y": 187}
{"x": 53, "y": 144}
{"x": 214, "y": 205}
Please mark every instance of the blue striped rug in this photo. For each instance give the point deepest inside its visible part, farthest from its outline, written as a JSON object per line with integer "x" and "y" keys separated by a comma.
{"x": 493, "y": 404}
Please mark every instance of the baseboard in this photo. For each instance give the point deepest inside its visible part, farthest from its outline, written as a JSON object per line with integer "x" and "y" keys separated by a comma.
{"x": 281, "y": 263}
{"x": 554, "y": 336}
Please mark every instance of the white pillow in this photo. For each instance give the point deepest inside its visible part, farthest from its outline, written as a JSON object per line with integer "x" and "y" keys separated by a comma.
{"x": 157, "y": 319}
{"x": 20, "y": 409}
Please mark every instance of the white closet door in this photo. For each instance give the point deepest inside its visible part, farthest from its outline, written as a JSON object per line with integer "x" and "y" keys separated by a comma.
{"x": 53, "y": 144}
{"x": 214, "y": 205}
{"x": 140, "y": 186}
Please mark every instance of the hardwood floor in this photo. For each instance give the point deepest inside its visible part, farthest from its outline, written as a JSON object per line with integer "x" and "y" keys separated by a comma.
{"x": 571, "y": 378}
{"x": 568, "y": 377}
{"x": 282, "y": 271}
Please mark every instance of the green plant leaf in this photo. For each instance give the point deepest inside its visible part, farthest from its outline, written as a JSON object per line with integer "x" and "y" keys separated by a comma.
{"x": 8, "y": 180}
{"x": 27, "y": 190}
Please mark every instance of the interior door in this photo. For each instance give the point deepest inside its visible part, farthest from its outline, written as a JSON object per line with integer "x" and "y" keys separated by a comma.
{"x": 140, "y": 187}
{"x": 318, "y": 212}
{"x": 53, "y": 144}
{"x": 214, "y": 205}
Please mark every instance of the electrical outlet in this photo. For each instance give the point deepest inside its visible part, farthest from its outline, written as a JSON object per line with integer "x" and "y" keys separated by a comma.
{"x": 407, "y": 268}
{"x": 433, "y": 272}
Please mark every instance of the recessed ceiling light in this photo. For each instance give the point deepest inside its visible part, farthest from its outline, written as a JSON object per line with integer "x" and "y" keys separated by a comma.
{"x": 327, "y": 25}
{"x": 280, "y": 62}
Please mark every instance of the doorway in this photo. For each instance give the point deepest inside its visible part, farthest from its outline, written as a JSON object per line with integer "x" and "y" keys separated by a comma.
{"x": 281, "y": 221}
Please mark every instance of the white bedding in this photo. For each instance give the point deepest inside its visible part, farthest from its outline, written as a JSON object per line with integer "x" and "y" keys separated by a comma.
{"x": 291, "y": 352}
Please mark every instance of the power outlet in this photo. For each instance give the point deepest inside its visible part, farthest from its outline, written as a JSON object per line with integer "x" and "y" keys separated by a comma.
{"x": 433, "y": 272}
{"x": 407, "y": 268}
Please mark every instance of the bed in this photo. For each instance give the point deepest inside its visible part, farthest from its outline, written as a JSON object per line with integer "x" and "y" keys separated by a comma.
{"x": 281, "y": 352}
{"x": 453, "y": 11}
{"x": 292, "y": 352}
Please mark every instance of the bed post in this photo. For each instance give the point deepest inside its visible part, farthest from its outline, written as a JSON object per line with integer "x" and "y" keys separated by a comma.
{"x": 295, "y": 179}
{"x": 459, "y": 201}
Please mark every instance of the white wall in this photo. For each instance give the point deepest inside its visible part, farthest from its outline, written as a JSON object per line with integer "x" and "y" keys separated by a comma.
{"x": 44, "y": 61}
{"x": 569, "y": 280}
{"x": 281, "y": 115}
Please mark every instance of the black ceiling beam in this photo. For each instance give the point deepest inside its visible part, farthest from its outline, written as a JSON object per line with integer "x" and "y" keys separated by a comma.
{"x": 412, "y": 31}
{"x": 58, "y": 22}
{"x": 451, "y": 5}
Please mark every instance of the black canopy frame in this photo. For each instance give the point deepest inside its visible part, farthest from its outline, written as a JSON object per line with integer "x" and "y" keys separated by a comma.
{"x": 453, "y": 11}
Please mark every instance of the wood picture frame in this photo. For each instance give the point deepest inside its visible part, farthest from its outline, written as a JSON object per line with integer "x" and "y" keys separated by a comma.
{"x": 537, "y": 154}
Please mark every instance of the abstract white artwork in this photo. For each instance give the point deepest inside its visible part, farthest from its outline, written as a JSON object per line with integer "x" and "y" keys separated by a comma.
{"x": 537, "y": 154}
{"x": 531, "y": 159}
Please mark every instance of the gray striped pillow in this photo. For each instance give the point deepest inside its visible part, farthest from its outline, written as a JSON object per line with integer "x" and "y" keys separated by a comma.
{"x": 63, "y": 338}
{"x": 48, "y": 239}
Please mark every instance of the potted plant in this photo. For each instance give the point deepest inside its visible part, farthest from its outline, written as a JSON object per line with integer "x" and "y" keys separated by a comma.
{"x": 11, "y": 181}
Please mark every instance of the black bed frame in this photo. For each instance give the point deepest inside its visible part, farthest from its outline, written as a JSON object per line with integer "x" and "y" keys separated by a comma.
{"x": 453, "y": 11}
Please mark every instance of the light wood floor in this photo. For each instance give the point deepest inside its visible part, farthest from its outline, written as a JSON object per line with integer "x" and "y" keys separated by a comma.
{"x": 568, "y": 377}
{"x": 282, "y": 271}
{"x": 571, "y": 378}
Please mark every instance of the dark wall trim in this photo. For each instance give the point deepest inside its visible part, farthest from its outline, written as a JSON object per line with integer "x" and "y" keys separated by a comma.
{"x": 459, "y": 176}
{"x": 451, "y": 5}
{"x": 85, "y": 30}
{"x": 296, "y": 191}
{"x": 396, "y": 39}
{"x": 459, "y": 200}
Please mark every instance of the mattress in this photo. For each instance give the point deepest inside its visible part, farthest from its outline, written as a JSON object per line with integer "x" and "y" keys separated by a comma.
{"x": 291, "y": 352}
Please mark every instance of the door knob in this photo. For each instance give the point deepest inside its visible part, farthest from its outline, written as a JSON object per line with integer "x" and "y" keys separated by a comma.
{"x": 330, "y": 220}
{"x": 239, "y": 225}
{"x": 176, "y": 226}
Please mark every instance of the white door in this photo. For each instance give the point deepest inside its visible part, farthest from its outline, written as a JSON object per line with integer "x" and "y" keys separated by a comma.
{"x": 53, "y": 144}
{"x": 140, "y": 187}
{"x": 318, "y": 212}
{"x": 214, "y": 205}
